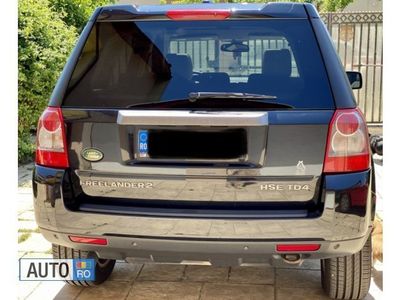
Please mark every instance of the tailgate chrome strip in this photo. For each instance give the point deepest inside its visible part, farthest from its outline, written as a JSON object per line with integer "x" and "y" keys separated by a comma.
{"x": 192, "y": 118}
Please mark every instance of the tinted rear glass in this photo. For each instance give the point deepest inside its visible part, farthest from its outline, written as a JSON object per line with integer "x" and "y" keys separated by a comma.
{"x": 128, "y": 63}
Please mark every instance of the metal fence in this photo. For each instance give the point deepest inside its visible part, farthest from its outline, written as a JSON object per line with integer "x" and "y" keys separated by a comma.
{"x": 358, "y": 39}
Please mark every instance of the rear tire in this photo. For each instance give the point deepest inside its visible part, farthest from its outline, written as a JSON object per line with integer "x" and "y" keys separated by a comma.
{"x": 348, "y": 277}
{"x": 103, "y": 267}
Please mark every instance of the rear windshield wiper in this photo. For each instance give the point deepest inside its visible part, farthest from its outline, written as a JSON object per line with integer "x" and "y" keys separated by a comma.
{"x": 246, "y": 97}
{"x": 194, "y": 96}
{"x": 205, "y": 100}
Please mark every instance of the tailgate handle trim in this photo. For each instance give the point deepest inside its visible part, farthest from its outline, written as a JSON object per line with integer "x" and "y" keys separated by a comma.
{"x": 192, "y": 118}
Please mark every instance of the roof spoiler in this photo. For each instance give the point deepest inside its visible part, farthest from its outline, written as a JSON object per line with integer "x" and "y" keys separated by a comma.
{"x": 238, "y": 11}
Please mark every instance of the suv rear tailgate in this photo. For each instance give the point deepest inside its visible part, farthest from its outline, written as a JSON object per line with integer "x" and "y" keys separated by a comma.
{"x": 134, "y": 80}
{"x": 282, "y": 161}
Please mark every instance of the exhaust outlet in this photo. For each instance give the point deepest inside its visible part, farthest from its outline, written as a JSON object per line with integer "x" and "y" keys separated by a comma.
{"x": 292, "y": 259}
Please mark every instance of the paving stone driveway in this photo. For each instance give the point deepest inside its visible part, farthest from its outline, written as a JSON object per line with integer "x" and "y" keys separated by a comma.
{"x": 134, "y": 281}
{"x": 149, "y": 281}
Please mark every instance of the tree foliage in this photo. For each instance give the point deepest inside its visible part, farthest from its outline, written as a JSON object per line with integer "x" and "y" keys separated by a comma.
{"x": 76, "y": 12}
{"x": 333, "y": 5}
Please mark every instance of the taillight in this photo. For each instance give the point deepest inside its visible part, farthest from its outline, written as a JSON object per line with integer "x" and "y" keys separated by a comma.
{"x": 51, "y": 148}
{"x": 198, "y": 14}
{"x": 347, "y": 147}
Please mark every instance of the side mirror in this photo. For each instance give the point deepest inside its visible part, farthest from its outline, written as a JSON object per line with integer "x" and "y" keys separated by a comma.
{"x": 355, "y": 79}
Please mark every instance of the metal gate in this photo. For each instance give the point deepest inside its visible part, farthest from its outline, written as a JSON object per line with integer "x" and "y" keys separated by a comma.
{"x": 358, "y": 40}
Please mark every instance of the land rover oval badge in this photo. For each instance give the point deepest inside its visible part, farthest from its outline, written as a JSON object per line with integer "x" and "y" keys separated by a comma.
{"x": 92, "y": 154}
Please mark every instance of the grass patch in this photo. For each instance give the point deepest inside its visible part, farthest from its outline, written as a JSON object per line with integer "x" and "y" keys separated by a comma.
{"x": 23, "y": 237}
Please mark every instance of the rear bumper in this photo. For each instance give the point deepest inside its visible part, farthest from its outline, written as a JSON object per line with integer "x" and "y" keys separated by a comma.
{"x": 221, "y": 252}
{"x": 341, "y": 229}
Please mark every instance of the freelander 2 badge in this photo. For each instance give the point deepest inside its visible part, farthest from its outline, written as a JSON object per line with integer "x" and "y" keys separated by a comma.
{"x": 92, "y": 154}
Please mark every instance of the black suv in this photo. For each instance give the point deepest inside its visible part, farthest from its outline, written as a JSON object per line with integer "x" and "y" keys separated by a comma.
{"x": 224, "y": 134}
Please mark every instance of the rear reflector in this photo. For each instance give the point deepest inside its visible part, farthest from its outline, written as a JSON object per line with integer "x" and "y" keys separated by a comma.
{"x": 51, "y": 140}
{"x": 88, "y": 240}
{"x": 198, "y": 14}
{"x": 348, "y": 144}
{"x": 297, "y": 247}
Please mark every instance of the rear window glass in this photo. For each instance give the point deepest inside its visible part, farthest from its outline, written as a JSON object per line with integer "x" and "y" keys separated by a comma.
{"x": 124, "y": 64}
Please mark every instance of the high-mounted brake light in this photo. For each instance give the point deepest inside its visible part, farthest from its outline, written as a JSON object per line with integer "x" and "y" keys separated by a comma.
{"x": 50, "y": 139}
{"x": 347, "y": 147}
{"x": 198, "y": 14}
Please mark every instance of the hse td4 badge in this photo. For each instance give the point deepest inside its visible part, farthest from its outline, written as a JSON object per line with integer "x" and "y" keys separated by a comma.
{"x": 285, "y": 187}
